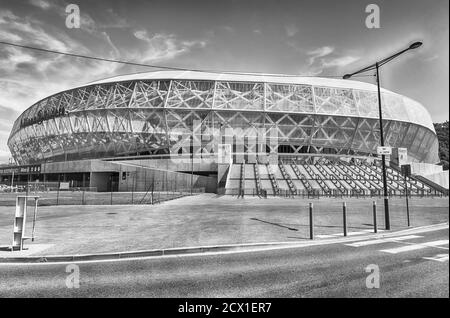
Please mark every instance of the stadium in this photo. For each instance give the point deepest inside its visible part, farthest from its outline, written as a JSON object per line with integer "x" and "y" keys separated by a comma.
{"x": 228, "y": 133}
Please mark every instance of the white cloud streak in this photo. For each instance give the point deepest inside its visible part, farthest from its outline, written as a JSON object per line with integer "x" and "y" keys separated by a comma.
{"x": 339, "y": 61}
{"x": 319, "y": 52}
{"x": 325, "y": 57}
{"x": 161, "y": 46}
{"x": 45, "y": 5}
{"x": 28, "y": 76}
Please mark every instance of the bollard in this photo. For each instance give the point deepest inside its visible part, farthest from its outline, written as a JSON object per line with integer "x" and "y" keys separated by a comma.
{"x": 375, "y": 229}
{"x": 311, "y": 222}
{"x": 34, "y": 217}
{"x": 408, "y": 216}
{"x": 407, "y": 203}
{"x": 344, "y": 214}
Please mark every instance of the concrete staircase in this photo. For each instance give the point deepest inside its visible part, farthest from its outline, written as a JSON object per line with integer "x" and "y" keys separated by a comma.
{"x": 323, "y": 177}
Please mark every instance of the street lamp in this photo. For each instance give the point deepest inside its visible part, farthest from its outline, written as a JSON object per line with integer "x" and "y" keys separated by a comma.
{"x": 376, "y": 67}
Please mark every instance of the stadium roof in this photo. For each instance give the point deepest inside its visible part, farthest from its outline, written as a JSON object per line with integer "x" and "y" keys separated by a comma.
{"x": 241, "y": 77}
{"x": 415, "y": 109}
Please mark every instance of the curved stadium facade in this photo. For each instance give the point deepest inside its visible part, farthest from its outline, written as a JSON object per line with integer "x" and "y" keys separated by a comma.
{"x": 151, "y": 113}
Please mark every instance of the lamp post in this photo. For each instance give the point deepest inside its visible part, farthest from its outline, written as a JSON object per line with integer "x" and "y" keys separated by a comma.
{"x": 376, "y": 67}
{"x": 192, "y": 159}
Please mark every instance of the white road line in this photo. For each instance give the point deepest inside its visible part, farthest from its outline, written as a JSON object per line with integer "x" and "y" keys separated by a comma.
{"x": 438, "y": 258}
{"x": 348, "y": 234}
{"x": 414, "y": 247}
{"x": 325, "y": 236}
{"x": 288, "y": 245}
{"x": 386, "y": 240}
{"x": 355, "y": 233}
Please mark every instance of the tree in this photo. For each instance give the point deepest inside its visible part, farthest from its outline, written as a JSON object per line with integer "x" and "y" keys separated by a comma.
{"x": 442, "y": 133}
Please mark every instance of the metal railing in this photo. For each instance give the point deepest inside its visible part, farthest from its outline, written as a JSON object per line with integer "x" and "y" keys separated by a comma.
{"x": 333, "y": 193}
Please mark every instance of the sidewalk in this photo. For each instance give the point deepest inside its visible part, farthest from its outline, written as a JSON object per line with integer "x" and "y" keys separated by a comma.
{"x": 204, "y": 220}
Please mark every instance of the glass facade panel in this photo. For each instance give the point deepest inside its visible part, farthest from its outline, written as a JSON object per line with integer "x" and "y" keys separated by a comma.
{"x": 394, "y": 107}
{"x": 367, "y": 103}
{"x": 289, "y": 98}
{"x": 335, "y": 101}
{"x": 191, "y": 94}
{"x": 245, "y": 96}
{"x": 150, "y": 116}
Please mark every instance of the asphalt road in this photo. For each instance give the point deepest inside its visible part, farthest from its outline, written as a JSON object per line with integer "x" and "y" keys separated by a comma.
{"x": 335, "y": 270}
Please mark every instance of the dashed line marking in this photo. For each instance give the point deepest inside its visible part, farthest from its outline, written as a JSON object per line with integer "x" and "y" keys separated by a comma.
{"x": 438, "y": 258}
{"x": 416, "y": 246}
{"x": 348, "y": 234}
{"x": 385, "y": 240}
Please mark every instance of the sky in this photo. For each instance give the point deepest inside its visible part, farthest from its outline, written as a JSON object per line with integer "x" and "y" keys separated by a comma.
{"x": 304, "y": 37}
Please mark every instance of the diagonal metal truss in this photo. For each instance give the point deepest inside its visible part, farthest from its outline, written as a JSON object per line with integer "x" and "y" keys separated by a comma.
{"x": 169, "y": 116}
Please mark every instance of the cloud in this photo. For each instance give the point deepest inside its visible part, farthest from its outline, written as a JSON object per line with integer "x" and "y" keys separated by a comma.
{"x": 339, "y": 61}
{"x": 45, "y": 5}
{"x": 228, "y": 28}
{"x": 4, "y": 156}
{"x": 310, "y": 71}
{"x": 325, "y": 58}
{"x": 319, "y": 52}
{"x": 114, "y": 21}
{"x": 87, "y": 23}
{"x": 28, "y": 76}
{"x": 7, "y": 117}
{"x": 24, "y": 71}
{"x": 9, "y": 36}
{"x": 30, "y": 31}
{"x": 7, "y": 114}
{"x": 116, "y": 52}
{"x": 161, "y": 46}
{"x": 291, "y": 30}
{"x": 7, "y": 16}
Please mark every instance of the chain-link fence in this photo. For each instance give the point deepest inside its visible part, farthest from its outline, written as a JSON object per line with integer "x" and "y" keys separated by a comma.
{"x": 53, "y": 193}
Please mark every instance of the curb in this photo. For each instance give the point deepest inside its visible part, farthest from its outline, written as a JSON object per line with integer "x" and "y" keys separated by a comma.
{"x": 208, "y": 249}
{"x": 136, "y": 254}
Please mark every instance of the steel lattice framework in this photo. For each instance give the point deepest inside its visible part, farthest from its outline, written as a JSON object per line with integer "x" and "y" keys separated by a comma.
{"x": 154, "y": 113}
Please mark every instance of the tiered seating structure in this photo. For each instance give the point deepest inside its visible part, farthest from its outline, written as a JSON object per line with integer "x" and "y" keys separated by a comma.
{"x": 324, "y": 177}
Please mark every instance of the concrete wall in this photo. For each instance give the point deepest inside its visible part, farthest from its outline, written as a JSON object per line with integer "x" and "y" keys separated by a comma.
{"x": 79, "y": 166}
{"x": 66, "y": 166}
{"x": 136, "y": 178}
{"x": 431, "y": 172}
{"x": 174, "y": 164}
{"x": 140, "y": 175}
{"x": 424, "y": 169}
{"x": 441, "y": 178}
{"x": 100, "y": 180}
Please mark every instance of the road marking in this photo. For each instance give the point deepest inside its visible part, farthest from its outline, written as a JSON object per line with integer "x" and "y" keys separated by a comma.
{"x": 387, "y": 240}
{"x": 438, "y": 258}
{"x": 406, "y": 261}
{"x": 325, "y": 236}
{"x": 414, "y": 247}
{"x": 356, "y": 233}
{"x": 348, "y": 234}
{"x": 280, "y": 246}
